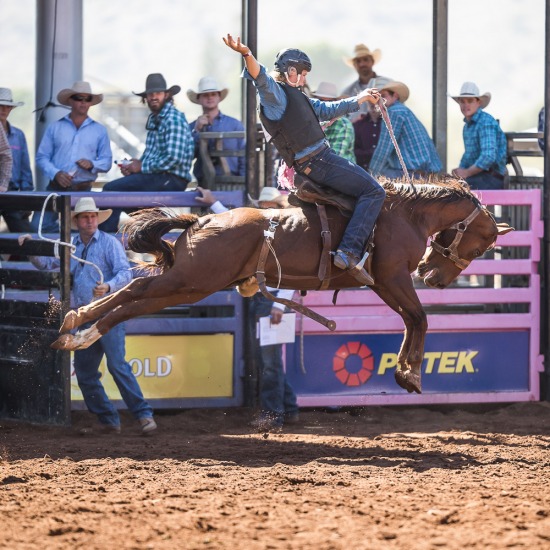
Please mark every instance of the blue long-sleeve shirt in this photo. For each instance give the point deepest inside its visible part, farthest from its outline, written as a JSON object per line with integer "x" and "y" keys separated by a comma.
{"x": 103, "y": 250}
{"x": 21, "y": 174}
{"x": 484, "y": 143}
{"x": 416, "y": 147}
{"x": 169, "y": 146}
{"x": 273, "y": 100}
{"x": 63, "y": 144}
{"x": 222, "y": 123}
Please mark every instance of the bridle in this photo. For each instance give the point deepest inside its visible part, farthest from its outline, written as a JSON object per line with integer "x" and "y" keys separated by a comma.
{"x": 451, "y": 251}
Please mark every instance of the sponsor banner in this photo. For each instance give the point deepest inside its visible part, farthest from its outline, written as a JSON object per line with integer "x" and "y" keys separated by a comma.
{"x": 172, "y": 367}
{"x": 358, "y": 364}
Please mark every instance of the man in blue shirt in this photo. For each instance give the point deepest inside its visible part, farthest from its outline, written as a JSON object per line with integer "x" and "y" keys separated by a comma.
{"x": 416, "y": 147}
{"x": 21, "y": 175}
{"x": 107, "y": 255}
{"x": 483, "y": 164}
{"x": 169, "y": 148}
{"x": 74, "y": 149}
{"x": 209, "y": 94}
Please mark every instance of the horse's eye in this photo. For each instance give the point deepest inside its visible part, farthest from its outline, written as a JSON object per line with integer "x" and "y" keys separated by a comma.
{"x": 477, "y": 253}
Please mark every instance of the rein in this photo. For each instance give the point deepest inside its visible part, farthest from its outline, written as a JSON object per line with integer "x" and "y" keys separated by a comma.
{"x": 384, "y": 112}
{"x": 451, "y": 251}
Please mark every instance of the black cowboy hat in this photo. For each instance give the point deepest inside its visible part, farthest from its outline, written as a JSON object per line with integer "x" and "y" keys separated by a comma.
{"x": 156, "y": 83}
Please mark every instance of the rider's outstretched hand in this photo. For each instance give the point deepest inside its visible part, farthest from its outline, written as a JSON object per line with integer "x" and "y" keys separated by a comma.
{"x": 236, "y": 45}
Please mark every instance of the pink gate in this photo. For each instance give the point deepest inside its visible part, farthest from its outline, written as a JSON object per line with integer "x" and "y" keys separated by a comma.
{"x": 483, "y": 337}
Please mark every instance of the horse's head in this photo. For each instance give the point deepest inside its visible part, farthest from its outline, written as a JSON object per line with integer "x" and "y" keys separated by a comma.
{"x": 452, "y": 250}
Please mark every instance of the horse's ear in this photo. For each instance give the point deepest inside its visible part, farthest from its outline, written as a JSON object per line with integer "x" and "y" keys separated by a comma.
{"x": 504, "y": 228}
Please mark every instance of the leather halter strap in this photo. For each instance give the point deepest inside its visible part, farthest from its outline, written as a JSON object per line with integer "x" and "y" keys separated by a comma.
{"x": 451, "y": 251}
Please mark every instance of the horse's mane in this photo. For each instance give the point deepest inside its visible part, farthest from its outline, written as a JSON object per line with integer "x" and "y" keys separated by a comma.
{"x": 445, "y": 191}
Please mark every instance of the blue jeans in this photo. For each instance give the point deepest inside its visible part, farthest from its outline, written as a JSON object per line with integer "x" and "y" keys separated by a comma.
{"x": 140, "y": 182}
{"x": 485, "y": 180}
{"x": 86, "y": 365}
{"x": 342, "y": 175}
{"x": 277, "y": 397}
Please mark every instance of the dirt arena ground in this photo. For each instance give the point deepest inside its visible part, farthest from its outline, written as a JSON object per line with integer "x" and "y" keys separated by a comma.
{"x": 383, "y": 477}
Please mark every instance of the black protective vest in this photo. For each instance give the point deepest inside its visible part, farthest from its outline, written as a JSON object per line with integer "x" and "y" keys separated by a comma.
{"x": 297, "y": 129}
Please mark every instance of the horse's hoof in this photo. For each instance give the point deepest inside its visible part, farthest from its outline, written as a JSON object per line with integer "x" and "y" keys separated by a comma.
{"x": 70, "y": 322}
{"x": 80, "y": 340}
{"x": 408, "y": 381}
{"x": 63, "y": 342}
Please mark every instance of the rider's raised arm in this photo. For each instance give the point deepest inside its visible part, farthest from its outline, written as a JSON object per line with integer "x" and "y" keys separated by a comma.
{"x": 252, "y": 65}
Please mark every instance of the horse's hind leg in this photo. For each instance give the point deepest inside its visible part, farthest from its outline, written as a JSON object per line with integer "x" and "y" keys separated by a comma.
{"x": 91, "y": 312}
{"x": 123, "y": 312}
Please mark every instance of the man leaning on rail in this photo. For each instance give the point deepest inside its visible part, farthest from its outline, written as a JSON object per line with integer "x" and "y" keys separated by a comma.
{"x": 169, "y": 149}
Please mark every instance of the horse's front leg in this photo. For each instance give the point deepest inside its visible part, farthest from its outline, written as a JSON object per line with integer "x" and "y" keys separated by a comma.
{"x": 401, "y": 296}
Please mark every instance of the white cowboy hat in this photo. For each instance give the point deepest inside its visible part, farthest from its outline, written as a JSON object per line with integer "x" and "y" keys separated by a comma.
{"x": 326, "y": 90}
{"x": 470, "y": 89}
{"x": 87, "y": 204}
{"x": 401, "y": 89}
{"x": 7, "y": 99}
{"x": 79, "y": 88}
{"x": 362, "y": 51}
{"x": 269, "y": 194}
{"x": 207, "y": 84}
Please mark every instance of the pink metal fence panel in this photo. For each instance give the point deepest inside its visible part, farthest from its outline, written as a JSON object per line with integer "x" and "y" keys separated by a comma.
{"x": 504, "y": 311}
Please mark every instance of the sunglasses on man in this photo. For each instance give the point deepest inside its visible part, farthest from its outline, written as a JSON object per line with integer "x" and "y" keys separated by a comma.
{"x": 86, "y": 98}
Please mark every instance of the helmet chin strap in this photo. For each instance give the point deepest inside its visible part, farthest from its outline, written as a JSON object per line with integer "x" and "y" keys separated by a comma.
{"x": 297, "y": 83}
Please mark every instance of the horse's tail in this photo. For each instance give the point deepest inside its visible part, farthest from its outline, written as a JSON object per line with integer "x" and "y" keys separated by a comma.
{"x": 144, "y": 233}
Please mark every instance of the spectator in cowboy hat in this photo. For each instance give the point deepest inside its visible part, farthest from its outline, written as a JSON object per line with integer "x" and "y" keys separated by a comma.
{"x": 367, "y": 128}
{"x": 483, "y": 164}
{"x": 21, "y": 175}
{"x": 104, "y": 252}
{"x": 73, "y": 149}
{"x": 209, "y": 95}
{"x": 338, "y": 131}
{"x": 277, "y": 399}
{"x": 416, "y": 146}
{"x": 166, "y": 162}
{"x": 362, "y": 60}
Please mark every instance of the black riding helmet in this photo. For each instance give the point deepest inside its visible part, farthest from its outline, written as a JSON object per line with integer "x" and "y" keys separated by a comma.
{"x": 291, "y": 57}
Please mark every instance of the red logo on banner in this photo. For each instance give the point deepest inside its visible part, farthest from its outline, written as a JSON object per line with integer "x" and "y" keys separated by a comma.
{"x": 353, "y": 363}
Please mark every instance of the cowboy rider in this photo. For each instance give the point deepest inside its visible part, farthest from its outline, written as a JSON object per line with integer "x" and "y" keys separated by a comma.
{"x": 292, "y": 120}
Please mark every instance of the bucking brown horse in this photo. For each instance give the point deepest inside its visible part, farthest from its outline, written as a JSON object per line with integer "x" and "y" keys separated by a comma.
{"x": 221, "y": 251}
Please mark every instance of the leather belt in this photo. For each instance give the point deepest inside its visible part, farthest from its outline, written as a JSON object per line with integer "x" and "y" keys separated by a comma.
{"x": 495, "y": 174}
{"x": 309, "y": 156}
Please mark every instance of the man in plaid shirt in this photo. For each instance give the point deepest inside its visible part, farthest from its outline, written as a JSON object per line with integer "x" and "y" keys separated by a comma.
{"x": 5, "y": 161}
{"x": 169, "y": 149}
{"x": 417, "y": 149}
{"x": 483, "y": 164}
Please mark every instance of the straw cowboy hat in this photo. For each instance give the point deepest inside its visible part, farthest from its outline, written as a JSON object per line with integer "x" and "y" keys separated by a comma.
{"x": 401, "y": 89}
{"x": 470, "y": 89}
{"x": 362, "y": 51}
{"x": 207, "y": 84}
{"x": 79, "y": 88}
{"x": 7, "y": 99}
{"x": 87, "y": 204}
{"x": 326, "y": 90}
{"x": 379, "y": 82}
{"x": 155, "y": 82}
{"x": 269, "y": 194}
